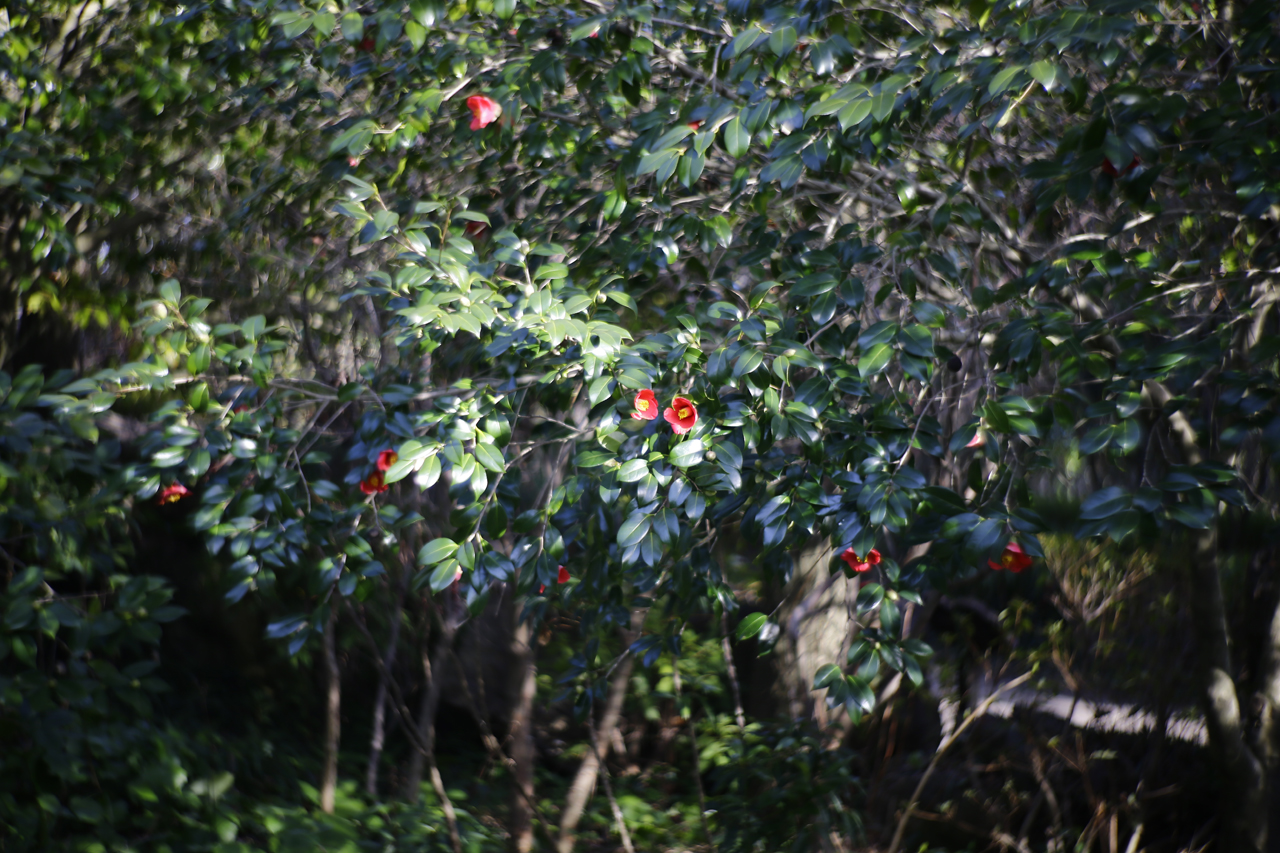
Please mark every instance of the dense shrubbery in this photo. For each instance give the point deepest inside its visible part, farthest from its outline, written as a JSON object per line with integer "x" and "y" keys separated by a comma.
{"x": 500, "y": 363}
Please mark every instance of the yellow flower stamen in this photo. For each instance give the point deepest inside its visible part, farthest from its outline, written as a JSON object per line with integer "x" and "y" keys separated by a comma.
{"x": 642, "y": 405}
{"x": 683, "y": 413}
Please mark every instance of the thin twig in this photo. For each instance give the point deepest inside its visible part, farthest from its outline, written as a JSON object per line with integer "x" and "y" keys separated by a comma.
{"x": 604, "y": 777}
{"x": 942, "y": 748}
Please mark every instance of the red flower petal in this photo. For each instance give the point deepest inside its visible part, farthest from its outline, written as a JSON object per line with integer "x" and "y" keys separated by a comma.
{"x": 484, "y": 110}
{"x": 563, "y": 577}
{"x": 373, "y": 484}
{"x": 695, "y": 124}
{"x": 646, "y": 406}
{"x": 1014, "y": 558}
{"x": 386, "y": 459}
{"x": 858, "y": 564}
{"x": 682, "y": 415}
{"x": 172, "y": 493}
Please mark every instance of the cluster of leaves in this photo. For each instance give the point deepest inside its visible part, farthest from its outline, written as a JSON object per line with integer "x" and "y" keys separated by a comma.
{"x": 813, "y": 360}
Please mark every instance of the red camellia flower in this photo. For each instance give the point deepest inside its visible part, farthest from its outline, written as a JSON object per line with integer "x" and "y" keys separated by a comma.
{"x": 173, "y": 493}
{"x": 484, "y": 110}
{"x": 1014, "y": 559}
{"x": 850, "y": 556}
{"x": 374, "y": 484}
{"x": 646, "y": 406}
{"x": 386, "y": 459}
{"x": 1110, "y": 168}
{"x": 695, "y": 124}
{"x": 682, "y": 415}
{"x": 563, "y": 577}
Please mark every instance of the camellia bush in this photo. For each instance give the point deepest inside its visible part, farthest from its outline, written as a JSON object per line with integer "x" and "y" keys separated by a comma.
{"x": 565, "y": 304}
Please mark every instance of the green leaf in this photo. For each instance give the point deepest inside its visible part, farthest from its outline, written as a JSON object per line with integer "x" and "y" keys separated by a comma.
{"x": 751, "y": 625}
{"x": 860, "y": 693}
{"x": 633, "y": 529}
{"x": 436, "y": 550}
{"x": 490, "y": 457}
{"x": 633, "y": 471}
{"x": 1004, "y": 79}
{"x": 1105, "y": 503}
{"x": 171, "y": 291}
{"x": 671, "y": 137}
{"x": 1195, "y": 517}
{"x": 782, "y": 40}
{"x": 1045, "y": 73}
{"x": 429, "y": 473}
{"x": 875, "y": 360}
{"x": 882, "y": 104}
{"x": 586, "y": 29}
{"x": 855, "y": 111}
{"x": 825, "y": 675}
{"x": 444, "y": 575}
{"x": 737, "y": 139}
{"x": 593, "y": 458}
{"x": 253, "y": 327}
{"x": 786, "y": 171}
{"x": 687, "y": 453}
{"x": 352, "y": 26}
{"x": 658, "y": 159}
{"x": 199, "y": 359}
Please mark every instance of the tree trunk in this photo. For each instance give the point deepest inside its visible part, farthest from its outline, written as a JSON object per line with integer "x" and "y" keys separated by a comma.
{"x": 1267, "y": 700}
{"x": 378, "y": 736}
{"x": 584, "y": 783}
{"x": 426, "y": 712}
{"x": 333, "y": 714}
{"x": 522, "y": 748}
{"x": 1243, "y": 825}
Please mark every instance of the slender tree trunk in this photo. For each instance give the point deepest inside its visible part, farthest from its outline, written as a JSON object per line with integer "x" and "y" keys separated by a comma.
{"x": 378, "y": 736}
{"x": 1268, "y": 737}
{"x": 522, "y": 747}
{"x": 584, "y": 783}
{"x": 333, "y": 714}
{"x": 427, "y": 710}
{"x": 426, "y": 713}
{"x": 1243, "y": 811}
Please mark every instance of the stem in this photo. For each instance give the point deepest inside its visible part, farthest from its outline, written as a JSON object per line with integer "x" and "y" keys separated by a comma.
{"x": 378, "y": 736}
{"x": 733, "y": 675}
{"x": 421, "y": 735}
{"x": 333, "y": 715}
{"x": 942, "y": 748}
{"x": 604, "y": 776}
{"x": 592, "y": 765}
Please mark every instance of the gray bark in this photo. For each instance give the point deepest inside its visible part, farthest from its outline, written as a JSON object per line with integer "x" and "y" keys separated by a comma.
{"x": 1243, "y": 811}
{"x": 522, "y": 746}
